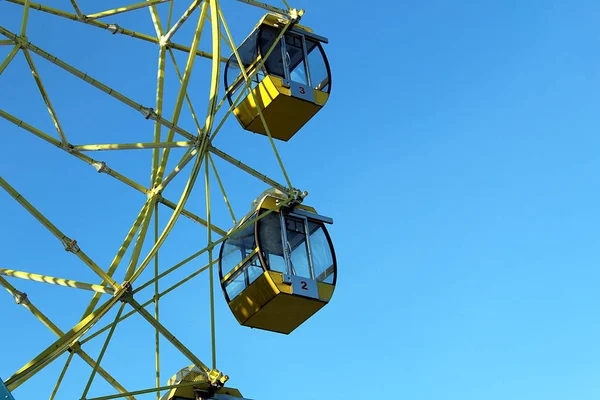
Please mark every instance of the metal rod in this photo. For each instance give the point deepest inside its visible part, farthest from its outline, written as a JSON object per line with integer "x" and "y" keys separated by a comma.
{"x": 56, "y": 281}
{"x": 124, "y": 9}
{"x": 132, "y": 146}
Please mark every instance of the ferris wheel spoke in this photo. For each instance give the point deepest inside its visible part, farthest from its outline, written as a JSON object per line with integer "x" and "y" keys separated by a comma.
{"x": 131, "y": 146}
{"x": 182, "y": 89}
{"x": 187, "y": 157}
{"x": 172, "y": 220}
{"x": 265, "y": 6}
{"x": 56, "y": 281}
{"x": 167, "y": 334}
{"x": 101, "y": 166}
{"x": 45, "y": 97}
{"x": 24, "y": 301}
{"x": 63, "y": 344}
{"x": 113, "y": 28}
{"x": 120, "y": 10}
{"x": 61, "y": 376}
{"x": 119, "y": 256}
{"x": 167, "y": 37}
{"x": 77, "y": 9}
{"x": 244, "y": 167}
{"x": 160, "y": 88}
{"x": 251, "y": 93}
{"x": 102, "y": 351}
{"x": 137, "y": 248}
{"x": 225, "y": 197}
{"x": 9, "y": 57}
{"x": 210, "y": 262}
{"x": 70, "y": 244}
{"x": 147, "y": 112}
{"x": 187, "y": 97}
{"x": 148, "y": 302}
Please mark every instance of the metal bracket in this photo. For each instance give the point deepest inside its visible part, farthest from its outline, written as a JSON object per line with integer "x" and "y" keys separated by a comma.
{"x": 149, "y": 113}
{"x": 114, "y": 29}
{"x": 21, "y": 298}
{"x": 216, "y": 378}
{"x": 71, "y": 245}
{"x": 100, "y": 166}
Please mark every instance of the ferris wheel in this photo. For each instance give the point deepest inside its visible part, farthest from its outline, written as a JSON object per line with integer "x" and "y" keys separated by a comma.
{"x": 211, "y": 96}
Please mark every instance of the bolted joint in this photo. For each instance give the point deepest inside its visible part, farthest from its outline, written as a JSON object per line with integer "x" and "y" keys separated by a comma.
{"x": 100, "y": 166}
{"x": 149, "y": 113}
{"x": 21, "y": 298}
{"x": 74, "y": 348}
{"x": 216, "y": 378}
{"x": 126, "y": 293}
{"x": 21, "y": 41}
{"x": 295, "y": 14}
{"x": 164, "y": 42}
{"x": 114, "y": 29}
{"x": 297, "y": 197}
{"x": 71, "y": 245}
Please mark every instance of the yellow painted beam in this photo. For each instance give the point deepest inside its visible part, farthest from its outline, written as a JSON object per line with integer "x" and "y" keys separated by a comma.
{"x": 221, "y": 154}
{"x": 111, "y": 27}
{"x": 214, "y": 168}
{"x": 25, "y": 18}
{"x": 26, "y": 302}
{"x": 77, "y": 9}
{"x": 180, "y": 165}
{"x": 132, "y": 146}
{"x": 102, "y": 167}
{"x": 160, "y": 88}
{"x": 211, "y": 277}
{"x": 70, "y": 244}
{"x": 148, "y": 113}
{"x": 137, "y": 248}
{"x": 266, "y": 6}
{"x": 167, "y": 37}
{"x": 102, "y": 352}
{"x": 124, "y": 9}
{"x": 167, "y": 335}
{"x": 187, "y": 73}
{"x": 260, "y": 111}
{"x": 56, "y": 281}
{"x": 144, "y": 391}
{"x": 45, "y": 97}
{"x": 9, "y": 58}
{"x": 148, "y": 302}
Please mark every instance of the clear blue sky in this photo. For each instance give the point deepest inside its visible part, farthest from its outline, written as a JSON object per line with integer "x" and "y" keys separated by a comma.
{"x": 457, "y": 156}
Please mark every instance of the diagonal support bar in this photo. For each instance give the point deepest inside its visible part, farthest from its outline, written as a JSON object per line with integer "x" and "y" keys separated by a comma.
{"x": 25, "y": 302}
{"x": 167, "y": 335}
{"x": 70, "y": 245}
{"x": 121, "y": 10}
{"x": 56, "y": 281}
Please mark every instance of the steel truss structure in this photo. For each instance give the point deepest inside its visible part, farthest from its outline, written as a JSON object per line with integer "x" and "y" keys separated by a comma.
{"x": 198, "y": 162}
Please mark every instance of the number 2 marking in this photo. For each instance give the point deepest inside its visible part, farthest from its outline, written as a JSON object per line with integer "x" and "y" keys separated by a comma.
{"x": 304, "y": 285}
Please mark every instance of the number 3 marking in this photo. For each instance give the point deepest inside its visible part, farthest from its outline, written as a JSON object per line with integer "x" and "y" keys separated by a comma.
{"x": 304, "y": 285}
{"x": 302, "y": 91}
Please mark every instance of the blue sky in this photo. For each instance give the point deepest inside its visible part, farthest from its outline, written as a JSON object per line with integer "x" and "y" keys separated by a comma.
{"x": 457, "y": 156}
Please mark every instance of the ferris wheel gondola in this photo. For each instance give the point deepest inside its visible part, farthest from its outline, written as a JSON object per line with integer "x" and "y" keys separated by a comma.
{"x": 291, "y": 83}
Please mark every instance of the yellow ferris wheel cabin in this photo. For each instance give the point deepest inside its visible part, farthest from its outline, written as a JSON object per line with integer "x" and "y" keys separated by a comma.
{"x": 193, "y": 384}
{"x": 279, "y": 267}
{"x": 289, "y": 85}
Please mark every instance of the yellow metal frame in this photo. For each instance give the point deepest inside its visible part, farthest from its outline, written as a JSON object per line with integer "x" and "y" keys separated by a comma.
{"x": 200, "y": 152}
